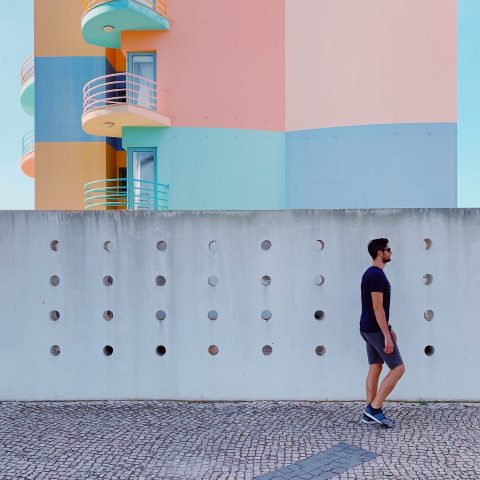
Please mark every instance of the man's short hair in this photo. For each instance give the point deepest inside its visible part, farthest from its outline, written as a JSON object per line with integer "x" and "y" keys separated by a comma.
{"x": 375, "y": 245}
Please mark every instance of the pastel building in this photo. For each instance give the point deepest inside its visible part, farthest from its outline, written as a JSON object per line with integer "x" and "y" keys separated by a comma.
{"x": 220, "y": 104}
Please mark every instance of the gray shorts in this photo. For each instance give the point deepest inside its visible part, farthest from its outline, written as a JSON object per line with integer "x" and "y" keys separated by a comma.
{"x": 375, "y": 345}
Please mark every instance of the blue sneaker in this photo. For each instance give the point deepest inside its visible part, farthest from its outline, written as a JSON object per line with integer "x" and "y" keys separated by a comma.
{"x": 368, "y": 420}
{"x": 379, "y": 417}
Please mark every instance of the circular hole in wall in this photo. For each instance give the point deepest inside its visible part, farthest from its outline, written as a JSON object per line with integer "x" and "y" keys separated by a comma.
{"x": 108, "y": 315}
{"x": 319, "y": 245}
{"x": 319, "y": 315}
{"x": 319, "y": 280}
{"x": 266, "y": 245}
{"x": 55, "y": 280}
{"x": 107, "y": 350}
{"x": 320, "y": 350}
{"x": 428, "y": 243}
{"x": 266, "y": 314}
{"x": 427, "y": 279}
{"x": 212, "y": 314}
{"x": 213, "y": 280}
{"x": 106, "y": 245}
{"x": 214, "y": 246}
{"x": 213, "y": 350}
{"x": 266, "y": 280}
{"x": 161, "y": 315}
{"x": 161, "y": 350}
{"x": 54, "y": 245}
{"x": 428, "y": 315}
{"x": 162, "y": 245}
{"x": 54, "y": 315}
{"x": 267, "y": 350}
{"x": 55, "y": 350}
{"x": 107, "y": 280}
{"x": 160, "y": 281}
{"x": 429, "y": 350}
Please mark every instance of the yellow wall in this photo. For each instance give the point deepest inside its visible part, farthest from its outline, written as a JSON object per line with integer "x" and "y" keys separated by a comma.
{"x": 58, "y": 31}
{"x": 62, "y": 169}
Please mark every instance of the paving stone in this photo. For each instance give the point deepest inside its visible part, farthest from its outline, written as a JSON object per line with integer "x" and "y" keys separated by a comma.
{"x": 236, "y": 441}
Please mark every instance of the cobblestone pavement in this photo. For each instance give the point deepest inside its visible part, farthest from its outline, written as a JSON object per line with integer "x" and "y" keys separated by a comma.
{"x": 188, "y": 440}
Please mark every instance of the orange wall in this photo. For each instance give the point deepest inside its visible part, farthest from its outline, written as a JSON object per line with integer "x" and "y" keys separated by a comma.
{"x": 62, "y": 169}
{"x": 58, "y": 31}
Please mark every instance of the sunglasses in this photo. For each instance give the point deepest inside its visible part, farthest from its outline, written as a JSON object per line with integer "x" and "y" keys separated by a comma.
{"x": 389, "y": 250}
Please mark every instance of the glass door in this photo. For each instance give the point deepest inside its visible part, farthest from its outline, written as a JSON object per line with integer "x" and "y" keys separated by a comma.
{"x": 142, "y": 80}
{"x": 143, "y": 185}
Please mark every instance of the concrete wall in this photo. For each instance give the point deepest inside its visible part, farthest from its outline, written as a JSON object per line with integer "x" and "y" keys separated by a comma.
{"x": 240, "y": 370}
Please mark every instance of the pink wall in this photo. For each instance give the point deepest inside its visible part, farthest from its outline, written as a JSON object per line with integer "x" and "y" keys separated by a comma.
{"x": 223, "y": 62}
{"x": 351, "y": 62}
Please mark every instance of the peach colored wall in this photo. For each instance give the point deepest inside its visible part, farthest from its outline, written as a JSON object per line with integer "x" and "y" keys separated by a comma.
{"x": 351, "y": 62}
{"x": 58, "y": 32}
{"x": 62, "y": 169}
{"x": 223, "y": 62}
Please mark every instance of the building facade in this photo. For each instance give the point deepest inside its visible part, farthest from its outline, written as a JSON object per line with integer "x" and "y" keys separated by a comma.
{"x": 225, "y": 105}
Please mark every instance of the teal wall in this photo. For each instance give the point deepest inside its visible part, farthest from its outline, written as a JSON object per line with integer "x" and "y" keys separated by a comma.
{"x": 217, "y": 169}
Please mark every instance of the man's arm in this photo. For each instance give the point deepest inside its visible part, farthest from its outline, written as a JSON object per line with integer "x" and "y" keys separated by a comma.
{"x": 377, "y": 300}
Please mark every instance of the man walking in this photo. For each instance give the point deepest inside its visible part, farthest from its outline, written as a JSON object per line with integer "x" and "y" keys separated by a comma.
{"x": 379, "y": 336}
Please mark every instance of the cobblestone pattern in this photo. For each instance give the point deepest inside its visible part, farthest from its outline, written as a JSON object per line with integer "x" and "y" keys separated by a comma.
{"x": 324, "y": 465}
{"x": 229, "y": 441}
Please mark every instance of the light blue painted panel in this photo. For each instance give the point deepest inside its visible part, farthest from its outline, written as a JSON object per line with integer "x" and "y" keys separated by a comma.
{"x": 374, "y": 166}
{"x": 59, "y": 83}
{"x": 217, "y": 169}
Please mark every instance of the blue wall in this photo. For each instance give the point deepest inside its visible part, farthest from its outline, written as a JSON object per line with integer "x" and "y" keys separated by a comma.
{"x": 373, "y": 166}
{"x": 59, "y": 83}
{"x": 217, "y": 169}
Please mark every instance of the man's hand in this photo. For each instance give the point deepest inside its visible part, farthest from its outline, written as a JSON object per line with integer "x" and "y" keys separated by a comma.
{"x": 388, "y": 345}
{"x": 394, "y": 335}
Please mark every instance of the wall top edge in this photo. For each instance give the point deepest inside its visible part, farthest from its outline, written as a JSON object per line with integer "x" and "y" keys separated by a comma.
{"x": 240, "y": 213}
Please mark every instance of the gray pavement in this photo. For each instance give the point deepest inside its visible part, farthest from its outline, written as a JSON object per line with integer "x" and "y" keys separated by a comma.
{"x": 264, "y": 440}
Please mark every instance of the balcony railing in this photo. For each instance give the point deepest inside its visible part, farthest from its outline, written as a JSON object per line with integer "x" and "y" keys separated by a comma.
{"x": 159, "y": 6}
{"x": 126, "y": 193}
{"x": 121, "y": 89}
{"x": 27, "y": 71}
{"x": 28, "y": 143}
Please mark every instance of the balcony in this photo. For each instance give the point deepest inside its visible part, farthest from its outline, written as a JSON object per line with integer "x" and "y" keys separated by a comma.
{"x": 27, "y": 162}
{"x": 104, "y": 21}
{"x": 27, "y": 86}
{"x": 122, "y": 100}
{"x": 125, "y": 194}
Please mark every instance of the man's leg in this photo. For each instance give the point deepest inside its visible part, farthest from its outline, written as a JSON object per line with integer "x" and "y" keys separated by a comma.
{"x": 388, "y": 384}
{"x": 374, "y": 372}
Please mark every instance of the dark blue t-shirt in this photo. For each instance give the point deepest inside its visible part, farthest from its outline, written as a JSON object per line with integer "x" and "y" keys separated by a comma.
{"x": 373, "y": 280}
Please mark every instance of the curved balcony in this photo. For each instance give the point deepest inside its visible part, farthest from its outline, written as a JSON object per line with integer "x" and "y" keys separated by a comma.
{"x": 104, "y": 21}
{"x": 125, "y": 194}
{"x": 27, "y": 85}
{"x": 122, "y": 100}
{"x": 27, "y": 162}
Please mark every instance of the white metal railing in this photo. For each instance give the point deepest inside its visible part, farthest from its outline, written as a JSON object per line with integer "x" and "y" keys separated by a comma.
{"x": 28, "y": 143}
{"x": 159, "y": 6}
{"x": 123, "y": 88}
{"x": 28, "y": 70}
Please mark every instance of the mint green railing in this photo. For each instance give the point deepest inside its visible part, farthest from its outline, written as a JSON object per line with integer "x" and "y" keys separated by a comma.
{"x": 126, "y": 193}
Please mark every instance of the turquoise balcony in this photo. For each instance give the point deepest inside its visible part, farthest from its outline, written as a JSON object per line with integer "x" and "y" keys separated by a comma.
{"x": 125, "y": 194}
{"x": 104, "y": 21}
{"x": 27, "y": 86}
